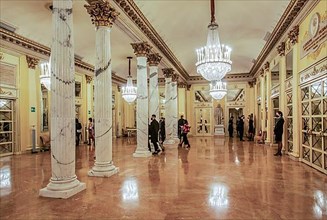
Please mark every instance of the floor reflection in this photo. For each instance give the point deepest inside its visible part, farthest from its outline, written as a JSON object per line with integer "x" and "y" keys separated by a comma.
{"x": 5, "y": 180}
{"x": 320, "y": 205}
{"x": 130, "y": 191}
{"x": 218, "y": 197}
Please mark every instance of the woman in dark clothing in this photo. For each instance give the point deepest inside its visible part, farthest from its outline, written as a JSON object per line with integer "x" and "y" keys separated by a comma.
{"x": 230, "y": 126}
{"x": 251, "y": 129}
{"x": 278, "y": 131}
{"x": 241, "y": 127}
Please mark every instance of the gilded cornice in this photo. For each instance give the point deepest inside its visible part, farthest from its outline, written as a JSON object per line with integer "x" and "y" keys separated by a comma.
{"x": 141, "y": 49}
{"x": 291, "y": 12}
{"x": 135, "y": 14}
{"x": 154, "y": 59}
{"x": 32, "y": 62}
{"x": 168, "y": 72}
{"x": 281, "y": 49}
{"x": 101, "y": 12}
{"x": 44, "y": 50}
{"x": 294, "y": 34}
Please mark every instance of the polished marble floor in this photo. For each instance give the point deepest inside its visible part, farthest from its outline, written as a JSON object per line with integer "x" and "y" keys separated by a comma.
{"x": 218, "y": 178}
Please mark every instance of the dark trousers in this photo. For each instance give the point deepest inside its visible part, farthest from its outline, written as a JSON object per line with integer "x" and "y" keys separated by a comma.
{"x": 230, "y": 133}
{"x": 241, "y": 134}
{"x": 185, "y": 140}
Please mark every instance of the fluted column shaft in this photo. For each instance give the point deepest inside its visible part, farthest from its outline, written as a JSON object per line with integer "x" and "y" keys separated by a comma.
{"x": 63, "y": 182}
{"x": 153, "y": 92}
{"x": 103, "y": 166}
{"x": 174, "y": 108}
{"x": 169, "y": 102}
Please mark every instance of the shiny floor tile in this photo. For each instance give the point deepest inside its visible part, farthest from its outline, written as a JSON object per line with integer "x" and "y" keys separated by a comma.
{"x": 218, "y": 178}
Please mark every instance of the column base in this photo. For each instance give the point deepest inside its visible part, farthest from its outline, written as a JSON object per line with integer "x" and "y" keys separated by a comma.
{"x": 62, "y": 194}
{"x": 170, "y": 141}
{"x": 102, "y": 173}
{"x": 142, "y": 153}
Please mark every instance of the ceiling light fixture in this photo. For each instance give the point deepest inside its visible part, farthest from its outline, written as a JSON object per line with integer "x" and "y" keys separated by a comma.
{"x": 45, "y": 77}
{"x": 129, "y": 92}
{"x": 218, "y": 89}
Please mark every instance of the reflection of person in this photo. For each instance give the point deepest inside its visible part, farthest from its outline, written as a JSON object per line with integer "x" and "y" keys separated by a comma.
{"x": 219, "y": 115}
{"x": 278, "y": 131}
{"x": 230, "y": 126}
{"x": 153, "y": 132}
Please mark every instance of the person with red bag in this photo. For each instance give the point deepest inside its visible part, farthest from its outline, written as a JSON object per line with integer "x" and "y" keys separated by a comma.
{"x": 185, "y": 130}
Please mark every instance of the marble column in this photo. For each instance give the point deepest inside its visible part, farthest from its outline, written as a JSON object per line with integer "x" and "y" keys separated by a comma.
{"x": 263, "y": 101}
{"x": 63, "y": 183}
{"x": 282, "y": 97}
{"x": 141, "y": 51}
{"x": 32, "y": 98}
{"x": 168, "y": 73}
{"x": 255, "y": 119}
{"x": 270, "y": 112}
{"x": 174, "y": 105}
{"x": 154, "y": 60}
{"x": 103, "y": 16}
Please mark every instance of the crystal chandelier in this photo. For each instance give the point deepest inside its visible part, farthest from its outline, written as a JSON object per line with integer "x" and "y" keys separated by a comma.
{"x": 129, "y": 92}
{"x": 45, "y": 77}
{"x": 218, "y": 89}
{"x": 213, "y": 60}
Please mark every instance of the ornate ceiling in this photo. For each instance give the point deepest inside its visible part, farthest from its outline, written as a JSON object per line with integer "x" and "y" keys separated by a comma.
{"x": 174, "y": 29}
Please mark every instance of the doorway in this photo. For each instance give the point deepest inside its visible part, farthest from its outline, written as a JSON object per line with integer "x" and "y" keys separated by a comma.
{"x": 203, "y": 121}
{"x": 7, "y": 127}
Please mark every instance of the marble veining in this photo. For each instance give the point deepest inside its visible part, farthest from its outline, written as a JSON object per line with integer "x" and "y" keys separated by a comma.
{"x": 168, "y": 110}
{"x": 101, "y": 70}
{"x": 174, "y": 109}
{"x": 154, "y": 92}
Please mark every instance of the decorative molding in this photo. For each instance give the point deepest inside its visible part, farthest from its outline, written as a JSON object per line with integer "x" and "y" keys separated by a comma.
{"x": 289, "y": 83}
{"x": 101, "y": 13}
{"x": 275, "y": 91}
{"x": 262, "y": 71}
{"x": 168, "y": 72}
{"x": 118, "y": 88}
{"x": 188, "y": 88}
{"x": 88, "y": 79}
{"x": 290, "y": 13}
{"x": 281, "y": 49}
{"x": 174, "y": 78}
{"x": 32, "y": 62}
{"x": 135, "y": 14}
{"x": 314, "y": 72}
{"x": 266, "y": 66}
{"x": 293, "y": 35}
{"x": 141, "y": 49}
{"x": 251, "y": 83}
{"x": 182, "y": 85}
{"x": 43, "y": 50}
{"x": 154, "y": 59}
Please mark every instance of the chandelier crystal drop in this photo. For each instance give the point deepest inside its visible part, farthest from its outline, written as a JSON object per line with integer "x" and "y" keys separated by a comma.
{"x": 129, "y": 92}
{"x": 45, "y": 77}
{"x": 218, "y": 89}
{"x": 213, "y": 60}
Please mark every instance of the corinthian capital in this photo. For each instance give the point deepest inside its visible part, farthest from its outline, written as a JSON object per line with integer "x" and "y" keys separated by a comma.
{"x": 32, "y": 62}
{"x": 154, "y": 59}
{"x": 141, "y": 49}
{"x": 168, "y": 72}
{"x": 175, "y": 77}
{"x": 294, "y": 34}
{"x": 101, "y": 12}
{"x": 281, "y": 49}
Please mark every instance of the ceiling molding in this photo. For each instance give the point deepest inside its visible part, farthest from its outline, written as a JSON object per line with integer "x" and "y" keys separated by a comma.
{"x": 291, "y": 12}
{"x": 239, "y": 77}
{"x": 32, "y": 47}
{"x": 134, "y": 14}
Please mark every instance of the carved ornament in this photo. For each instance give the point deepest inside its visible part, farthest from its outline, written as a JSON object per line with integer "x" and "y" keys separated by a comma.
{"x": 101, "y": 12}
{"x": 141, "y": 49}
{"x": 32, "y": 62}
{"x": 182, "y": 85}
{"x": 281, "y": 49}
{"x": 88, "y": 79}
{"x": 266, "y": 65}
{"x": 168, "y": 72}
{"x": 175, "y": 77}
{"x": 293, "y": 35}
{"x": 154, "y": 59}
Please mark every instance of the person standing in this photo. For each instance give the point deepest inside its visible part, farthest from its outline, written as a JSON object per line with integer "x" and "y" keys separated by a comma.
{"x": 78, "y": 127}
{"x": 185, "y": 130}
{"x": 180, "y": 123}
{"x": 91, "y": 132}
{"x": 162, "y": 130}
{"x": 154, "y": 132}
{"x": 278, "y": 131}
{"x": 251, "y": 128}
{"x": 230, "y": 126}
{"x": 241, "y": 127}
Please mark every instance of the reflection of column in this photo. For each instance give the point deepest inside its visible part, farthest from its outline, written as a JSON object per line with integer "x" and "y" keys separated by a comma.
{"x": 103, "y": 166}
{"x": 63, "y": 183}
{"x": 270, "y": 117}
{"x": 168, "y": 73}
{"x": 141, "y": 50}
{"x": 33, "y": 115}
{"x": 154, "y": 60}
{"x": 174, "y": 105}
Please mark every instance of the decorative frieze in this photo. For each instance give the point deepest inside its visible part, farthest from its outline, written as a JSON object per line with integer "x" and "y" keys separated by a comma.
{"x": 32, "y": 62}
{"x": 275, "y": 91}
{"x": 154, "y": 59}
{"x": 141, "y": 49}
{"x": 281, "y": 49}
{"x": 101, "y": 12}
{"x": 168, "y": 72}
{"x": 293, "y": 35}
{"x": 314, "y": 72}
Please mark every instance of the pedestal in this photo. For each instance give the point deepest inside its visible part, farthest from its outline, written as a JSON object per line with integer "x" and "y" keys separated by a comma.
{"x": 219, "y": 130}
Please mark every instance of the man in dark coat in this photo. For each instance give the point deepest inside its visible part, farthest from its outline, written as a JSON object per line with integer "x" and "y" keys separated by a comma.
{"x": 154, "y": 132}
{"x": 162, "y": 129}
{"x": 241, "y": 127}
{"x": 278, "y": 131}
{"x": 230, "y": 126}
{"x": 180, "y": 123}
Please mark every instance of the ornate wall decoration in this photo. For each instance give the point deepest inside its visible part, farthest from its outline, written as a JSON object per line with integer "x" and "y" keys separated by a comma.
{"x": 88, "y": 79}
{"x": 141, "y": 49}
{"x": 168, "y": 72}
{"x": 182, "y": 85}
{"x": 154, "y": 59}
{"x": 281, "y": 49}
{"x": 101, "y": 12}
{"x": 314, "y": 72}
{"x": 293, "y": 35}
{"x": 32, "y": 62}
{"x": 289, "y": 83}
{"x": 275, "y": 91}
{"x": 266, "y": 66}
{"x": 175, "y": 77}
